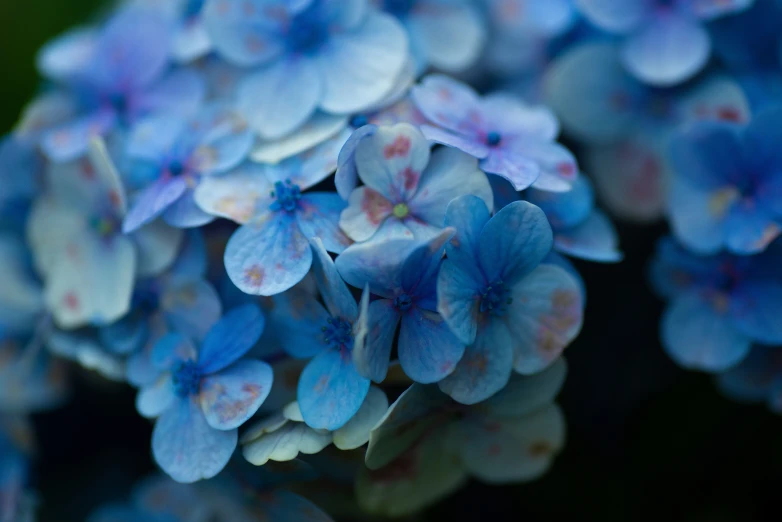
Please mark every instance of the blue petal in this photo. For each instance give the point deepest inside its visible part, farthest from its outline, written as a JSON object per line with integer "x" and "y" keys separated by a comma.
{"x": 594, "y": 240}
{"x": 372, "y": 358}
{"x": 375, "y": 263}
{"x": 246, "y": 36}
{"x": 708, "y": 154}
{"x": 360, "y": 67}
{"x": 71, "y": 140}
{"x": 668, "y": 50}
{"x": 698, "y": 336}
{"x": 428, "y": 350}
{"x": 330, "y": 390}
{"x": 153, "y": 201}
{"x": 614, "y": 15}
{"x": 268, "y": 255}
{"x": 154, "y": 399}
{"x": 458, "y": 300}
{"x": 565, "y": 209}
{"x": 231, "y": 338}
{"x": 186, "y": 447}
{"x": 170, "y": 349}
{"x": 191, "y": 307}
{"x": 514, "y": 242}
{"x": 318, "y": 216}
{"x": 229, "y": 398}
{"x": 335, "y": 293}
{"x": 185, "y": 213}
{"x": 468, "y": 215}
{"x": 297, "y": 318}
{"x": 346, "y": 177}
{"x": 126, "y": 335}
{"x": 421, "y": 266}
{"x": 181, "y": 91}
{"x": 756, "y": 308}
{"x": 191, "y": 261}
{"x": 280, "y": 98}
{"x": 544, "y": 317}
{"x": 485, "y": 367}
{"x": 749, "y": 229}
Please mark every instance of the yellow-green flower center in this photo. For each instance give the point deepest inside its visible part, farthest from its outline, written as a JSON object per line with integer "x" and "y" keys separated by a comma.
{"x": 401, "y": 210}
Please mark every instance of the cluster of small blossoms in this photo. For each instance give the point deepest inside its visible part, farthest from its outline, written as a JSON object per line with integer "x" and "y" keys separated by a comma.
{"x": 274, "y": 216}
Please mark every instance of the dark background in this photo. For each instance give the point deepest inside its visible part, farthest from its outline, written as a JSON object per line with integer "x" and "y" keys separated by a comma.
{"x": 646, "y": 440}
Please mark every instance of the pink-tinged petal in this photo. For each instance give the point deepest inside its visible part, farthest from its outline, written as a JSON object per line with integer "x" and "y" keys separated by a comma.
{"x": 318, "y": 216}
{"x": 280, "y": 98}
{"x": 360, "y": 67}
{"x": 458, "y": 300}
{"x": 186, "y": 447}
{"x": 366, "y": 212}
{"x": 520, "y": 170}
{"x": 545, "y": 316}
{"x": 504, "y": 451}
{"x": 716, "y": 98}
{"x": 231, "y": 397}
{"x": 485, "y": 367}
{"x": 268, "y": 255}
{"x": 180, "y": 92}
{"x": 428, "y": 350}
{"x": 392, "y": 159}
{"x": 667, "y": 51}
{"x": 450, "y": 104}
{"x": 558, "y": 168}
{"x": 92, "y": 281}
{"x": 472, "y": 147}
{"x": 152, "y": 201}
{"x": 245, "y": 33}
{"x": 157, "y": 245}
{"x": 236, "y": 195}
{"x": 450, "y": 174}
{"x": 507, "y": 115}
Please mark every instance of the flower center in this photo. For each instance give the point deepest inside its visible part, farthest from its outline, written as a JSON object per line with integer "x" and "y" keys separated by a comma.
{"x": 495, "y": 298}
{"x": 175, "y": 168}
{"x": 403, "y": 302}
{"x": 493, "y": 139}
{"x": 186, "y": 378}
{"x": 146, "y": 299}
{"x": 193, "y": 8}
{"x": 359, "y": 120}
{"x": 401, "y": 211}
{"x": 399, "y": 7}
{"x": 286, "y": 196}
{"x": 337, "y": 333}
{"x": 307, "y": 31}
{"x": 104, "y": 226}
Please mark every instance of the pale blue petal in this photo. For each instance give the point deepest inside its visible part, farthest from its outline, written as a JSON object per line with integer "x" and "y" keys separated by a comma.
{"x": 330, "y": 390}
{"x": 318, "y": 216}
{"x": 268, "y": 255}
{"x": 186, "y": 447}
{"x": 428, "y": 350}
{"x": 245, "y": 37}
{"x": 154, "y": 399}
{"x": 229, "y": 398}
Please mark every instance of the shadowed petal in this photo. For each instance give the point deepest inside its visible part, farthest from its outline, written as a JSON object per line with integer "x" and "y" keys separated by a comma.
{"x": 230, "y": 397}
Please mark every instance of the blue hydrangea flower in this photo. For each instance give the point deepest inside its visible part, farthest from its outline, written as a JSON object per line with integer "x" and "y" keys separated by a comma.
{"x": 627, "y": 125}
{"x": 203, "y": 395}
{"x": 727, "y": 188}
{"x": 426, "y": 446}
{"x": 113, "y": 77}
{"x": 448, "y": 34}
{"x": 270, "y": 252}
{"x": 718, "y": 305}
{"x": 283, "y": 436}
{"x": 87, "y": 264}
{"x": 330, "y": 389}
{"x": 512, "y": 311}
{"x": 665, "y": 41}
{"x": 180, "y": 300}
{"x": 509, "y": 138}
{"x": 756, "y": 379}
{"x": 170, "y": 154}
{"x": 335, "y": 55}
{"x": 404, "y": 274}
{"x": 580, "y": 230}
{"x": 405, "y": 194}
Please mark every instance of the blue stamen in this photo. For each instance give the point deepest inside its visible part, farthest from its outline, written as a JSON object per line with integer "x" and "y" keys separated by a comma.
{"x": 286, "y": 196}
{"x": 403, "y": 302}
{"x": 495, "y": 298}
{"x": 186, "y": 378}
{"x": 338, "y": 333}
{"x": 493, "y": 139}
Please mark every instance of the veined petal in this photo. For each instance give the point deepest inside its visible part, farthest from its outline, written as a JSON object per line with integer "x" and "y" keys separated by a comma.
{"x": 428, "y": 349}
{"x": 230, "y": 338}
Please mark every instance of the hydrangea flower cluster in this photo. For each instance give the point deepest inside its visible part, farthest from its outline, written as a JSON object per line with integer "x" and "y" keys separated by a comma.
{"x": 332, "y": 238}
